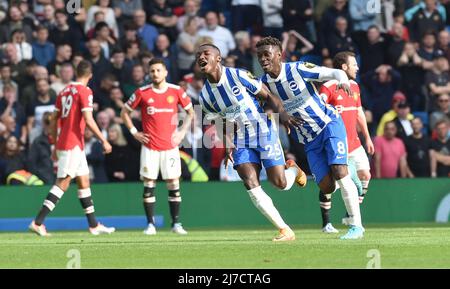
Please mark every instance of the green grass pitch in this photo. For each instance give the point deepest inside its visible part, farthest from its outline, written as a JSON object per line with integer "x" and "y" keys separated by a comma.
{"x": 419, "y": 246}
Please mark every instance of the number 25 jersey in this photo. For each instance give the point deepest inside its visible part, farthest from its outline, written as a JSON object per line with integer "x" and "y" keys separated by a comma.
{"x": 70, "y": 104}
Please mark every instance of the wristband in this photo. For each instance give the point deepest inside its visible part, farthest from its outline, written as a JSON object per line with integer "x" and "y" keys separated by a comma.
{"x": 133, "y": 130}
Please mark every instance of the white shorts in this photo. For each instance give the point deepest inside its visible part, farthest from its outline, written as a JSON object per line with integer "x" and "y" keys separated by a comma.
{"x": 359, "y": 157}
{"x": 72, "y": 163}
{"x": 153, "y": 161}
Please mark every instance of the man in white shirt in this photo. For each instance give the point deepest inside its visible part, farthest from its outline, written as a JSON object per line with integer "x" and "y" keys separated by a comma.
{"x": 221, "y": 36}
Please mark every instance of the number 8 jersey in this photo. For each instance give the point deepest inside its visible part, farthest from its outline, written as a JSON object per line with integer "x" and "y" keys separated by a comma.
{"x": 70, "y": 104}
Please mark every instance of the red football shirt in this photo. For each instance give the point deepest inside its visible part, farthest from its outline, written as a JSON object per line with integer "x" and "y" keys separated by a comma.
{"x": 70, "y": 104}
{"x": 348, "y": 106}
{"x": 159, "y": 110}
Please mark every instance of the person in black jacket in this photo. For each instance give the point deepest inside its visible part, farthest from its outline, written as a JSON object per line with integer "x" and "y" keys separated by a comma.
{"x": 95, "y": 158}
{"x": 40, "y": 161}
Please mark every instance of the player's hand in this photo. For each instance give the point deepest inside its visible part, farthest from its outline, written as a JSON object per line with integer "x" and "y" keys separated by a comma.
{"x": 142, "y": 137}
{"x": 370, "y": 146}
{"x": 229, "y": 156}
{"x": 177, "y": 138}
{"x": 345, "y": 87}
{"x": 107, "y": 148}
{"x": 289, "y": 121}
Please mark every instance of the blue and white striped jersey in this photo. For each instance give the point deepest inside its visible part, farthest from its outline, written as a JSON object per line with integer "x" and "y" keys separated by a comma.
{"x": 300, "y": 97}
{"x": 234, "y": 98}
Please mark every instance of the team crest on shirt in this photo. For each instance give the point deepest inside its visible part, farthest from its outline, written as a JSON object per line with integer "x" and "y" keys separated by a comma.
{"x": 236, "y": 91}
{"x": 170, "y": 99}
{"x": 293, "y": 85}
{"x": 309, "y": 65}
{"x": 355, "y": 95}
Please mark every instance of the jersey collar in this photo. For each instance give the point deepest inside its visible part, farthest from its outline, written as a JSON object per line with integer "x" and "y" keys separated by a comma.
{"x": 281, "y": 76}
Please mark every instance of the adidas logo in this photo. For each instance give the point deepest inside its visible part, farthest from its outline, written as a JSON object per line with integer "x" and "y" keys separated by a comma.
{"x": 151, "y": 100}
{"x": 340, "y": 97}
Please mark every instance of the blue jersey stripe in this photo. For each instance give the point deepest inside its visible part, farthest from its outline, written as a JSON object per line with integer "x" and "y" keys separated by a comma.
{"x": 232, "y": 82}
{"x": 306, "y": 125}
{"x": 224, "y": 96}
{"x": 205, "y": 103}
{"x": 212, "y": 97}
{"x": 291, "y": 79}
{"x": 250, "y": 87}
{"x": 281, "y": 91}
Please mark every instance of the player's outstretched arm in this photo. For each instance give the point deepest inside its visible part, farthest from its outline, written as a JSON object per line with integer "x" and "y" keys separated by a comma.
{"x": 311, "y": 72}
{"x": 277, "y": 106}
{"x": 139, "y": 136}
{"x": 92, "y": 125}
{"x": 362, "y": 123}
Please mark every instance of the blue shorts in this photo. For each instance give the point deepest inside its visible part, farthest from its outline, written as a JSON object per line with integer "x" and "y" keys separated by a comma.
{"x": 328, "y": 148}
{"x": 268, "y": 152}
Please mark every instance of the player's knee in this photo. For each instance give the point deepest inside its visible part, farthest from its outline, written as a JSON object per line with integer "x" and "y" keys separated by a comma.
{"x": 339, "y": 171}
{"x": 250, "y": 182}
{"x": 173, "y": 184}
{"x": 279, "y": 182}
{"x": 364, "y": 175}
{"x": 149, "y": 195}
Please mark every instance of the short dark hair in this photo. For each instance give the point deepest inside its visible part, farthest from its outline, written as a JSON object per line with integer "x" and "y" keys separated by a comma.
{"x": 342, "y": 58}
{"x": 99, "y": 26}
{"x": 209, "y": 45}
{"x": 84, "y": 68}
{"x": 41, "y": 27}
{"x": 443, "y": 120}
{"x": 156, "y": 60}
{"x": 270, "y": 41}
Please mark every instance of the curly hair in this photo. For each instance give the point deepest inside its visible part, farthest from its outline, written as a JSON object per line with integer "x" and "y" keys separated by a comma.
{"x": 272, "y": 41}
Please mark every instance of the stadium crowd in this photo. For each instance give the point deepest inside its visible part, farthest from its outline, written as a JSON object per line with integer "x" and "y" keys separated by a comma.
{"x": 402, "y": 49}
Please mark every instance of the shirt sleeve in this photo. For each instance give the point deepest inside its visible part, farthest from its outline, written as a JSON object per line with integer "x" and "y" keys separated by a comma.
{"x": 86, "y": 100}
{"x": 326, "y": 94}
{"x": 184, "y": 100}
{"x": 134, "y": 100}
{"x": 251, "y": 83}
{"x": 311, "y": 72}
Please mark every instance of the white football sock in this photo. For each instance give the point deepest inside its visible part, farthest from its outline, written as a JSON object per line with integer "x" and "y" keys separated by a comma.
{"x": 349, "y": 194}
{"x": 291, "y": 174}
{"x": 265, "y": 205}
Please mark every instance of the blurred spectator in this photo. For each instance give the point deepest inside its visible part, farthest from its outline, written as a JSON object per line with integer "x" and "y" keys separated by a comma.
{"x": 110, "y": 18}
{"x": 117, "y": 66}
{"x": 28, "y": 89}
{"x": 101, "y": 95}
{"x": 43, "y": 50}
{"x": 15, "y": 21}
{"x": 272, "y": 17}
{"x": 328, "y": 22}
{"x": 440, "y": 156}
{"x": 63, "y": 33}
{"x": 194, "y": 88}
{"x": 8, "y": 128}
{"x": 390, "y": 154}
{"x": 28, "y": 16}
{"x": 392, "y": 114}
{"x": 105, "y": 39}
{"x": 186, "y": 45}
{"x": 381, "y": 83}
{"x": 100, "y": 65}
{"x": 162, "y": 16}
{"x": 130, "y": 35}
{"x": 437, "y": 79}
{"x": 426, "y": 19}
{"x": 49, "y": 19}
{"x": 24, "y": 49}
{"x": 373, "y": 47}
{"x": 427, "y": 48}
{"x": 116, "y": 99}
{"x": 9, "y": 106}
{"x": 125, "y": 9}
{"x": 137, "y": 80}
{"x": 246, "y": 15}
{"x": 443, "y": 110}
{"x": 444, "y": 42}
{"x": 362, "y": 16}
{"x": 95, "y": 158}
{"x": 296, "y": 14}
{"x": 131, "y": 58}
{"x": 63, "y": 55}
{"x": 148, "y": 33}
{"x": 242, "y": 54}
{"x": 340, "y": 40}
{"x": 164, "y": 51}
{"x": 44, "y": 102}
{"x": 387, "y": 14}
{"x": 117, "y": 164}
{"x": 397, "y": 47}
{"x": 410, "y": 67}
{"x": 256, "y": 68}
{"x": 66, "y": 76}
{"x": 12, "y": 159}
{"x": 103, "y": 121}
{"x": 40, "y": 161}
{"x": 191, "y": 10}
{"x": 18, "y": 66}
{"x": 295, "y": 46}
{"x": 402, "y": 121}
{"x": 418, "y": 148}
{"x": 5, "y": 78}
{"x": 221, "y": 36}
